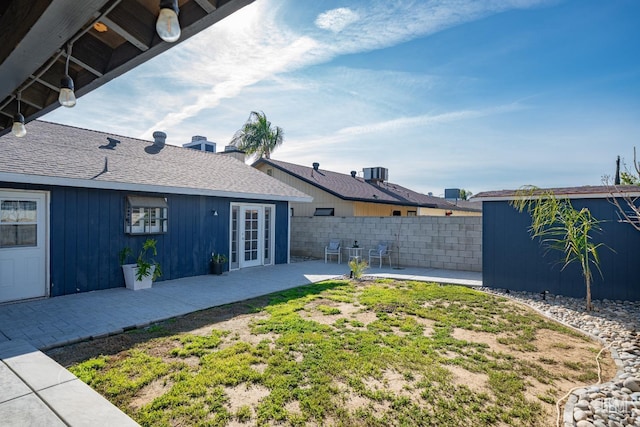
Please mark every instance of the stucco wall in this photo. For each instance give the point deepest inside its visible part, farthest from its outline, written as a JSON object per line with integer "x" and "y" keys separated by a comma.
{"x": 453, "y": 243}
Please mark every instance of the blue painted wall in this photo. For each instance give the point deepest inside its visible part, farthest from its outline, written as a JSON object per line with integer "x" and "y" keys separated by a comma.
{"x": 87, "y": 233}
{"x": 512, "y": 260}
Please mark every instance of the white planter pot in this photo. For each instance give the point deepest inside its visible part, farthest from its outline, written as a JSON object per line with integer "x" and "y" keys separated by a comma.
{"x": 131, "y": 271}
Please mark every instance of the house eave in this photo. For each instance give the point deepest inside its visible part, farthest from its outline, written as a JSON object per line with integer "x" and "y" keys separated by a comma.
{"x": 603, "y": 195}
{"x": 125, "y": 186}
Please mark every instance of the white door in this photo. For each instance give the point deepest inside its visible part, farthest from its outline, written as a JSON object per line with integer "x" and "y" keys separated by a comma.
{"x": 251, "y": 236}
{"x": 23, "y": 252}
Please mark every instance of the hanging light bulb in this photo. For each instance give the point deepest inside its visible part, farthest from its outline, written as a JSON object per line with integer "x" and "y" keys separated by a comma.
{"x": 67, "y": 97}
{"x": 167, "y": 26}
{"x": 18, "y": 128}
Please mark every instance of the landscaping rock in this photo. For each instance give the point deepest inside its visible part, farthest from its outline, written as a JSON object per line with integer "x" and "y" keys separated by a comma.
{"x": 579, "y": 415}
{"x": 632, "y": 384}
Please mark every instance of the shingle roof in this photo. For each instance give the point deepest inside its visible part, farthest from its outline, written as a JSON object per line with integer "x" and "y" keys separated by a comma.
{"x": 583, "y": 192}
{"x": 351, "y": 188}
{"x": 63, "y": 155}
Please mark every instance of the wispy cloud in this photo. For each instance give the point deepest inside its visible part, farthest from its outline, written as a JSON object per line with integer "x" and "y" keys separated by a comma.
{"x": 254, "y": 44}
{"x": 425, "y": 120}
{"x": 336, "y": 20}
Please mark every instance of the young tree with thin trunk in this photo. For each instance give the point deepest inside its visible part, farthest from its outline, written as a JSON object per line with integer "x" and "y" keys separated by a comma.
{"x": 561, "y": 227}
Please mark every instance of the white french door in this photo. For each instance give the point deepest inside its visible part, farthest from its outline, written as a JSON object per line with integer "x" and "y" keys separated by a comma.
{"x": 23, "y": 245}
{"x": 251, "y": 235}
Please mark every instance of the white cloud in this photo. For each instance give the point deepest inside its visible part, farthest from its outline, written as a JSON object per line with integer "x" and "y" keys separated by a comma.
{"x": 336, "y": 20}
{"x": 254, "y": 45}
{"x": 424, "y": 120}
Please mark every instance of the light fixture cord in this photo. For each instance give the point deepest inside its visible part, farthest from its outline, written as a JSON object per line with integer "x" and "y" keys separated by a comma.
{"x": 18, "y": 96}
{"x": 66, "y": 67}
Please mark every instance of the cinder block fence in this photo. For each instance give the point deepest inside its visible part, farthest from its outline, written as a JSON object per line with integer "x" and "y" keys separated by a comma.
{"x": 453, "y": 243}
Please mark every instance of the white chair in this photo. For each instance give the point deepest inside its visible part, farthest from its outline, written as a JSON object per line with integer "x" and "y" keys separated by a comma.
{"x": 333, "y": 249}
{"x": 380, "y": 252}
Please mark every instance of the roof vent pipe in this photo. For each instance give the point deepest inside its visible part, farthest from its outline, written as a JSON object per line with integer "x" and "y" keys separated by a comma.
{"x": 159, "y": 138}
{"x": 353, "y": 174}
{"x": 316, "y": 165}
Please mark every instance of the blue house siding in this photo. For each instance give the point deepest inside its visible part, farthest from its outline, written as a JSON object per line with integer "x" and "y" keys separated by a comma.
{"x": 87, "y": 233}
{"x": 282, "y": 233}
{"x": 512, "y": 260}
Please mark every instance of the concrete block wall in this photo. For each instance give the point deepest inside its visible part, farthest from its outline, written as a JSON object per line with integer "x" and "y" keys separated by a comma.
{"x": 453, "y": 243}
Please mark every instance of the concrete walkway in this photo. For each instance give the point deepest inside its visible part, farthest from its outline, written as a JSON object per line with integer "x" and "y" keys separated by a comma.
{"x": 36, "y": 391}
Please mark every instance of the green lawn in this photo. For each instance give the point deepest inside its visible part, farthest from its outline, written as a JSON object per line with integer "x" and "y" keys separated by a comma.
{"x": 350, "y": 353}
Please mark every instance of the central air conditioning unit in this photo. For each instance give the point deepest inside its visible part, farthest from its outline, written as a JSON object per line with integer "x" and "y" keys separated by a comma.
{"x": 376, "y": 174}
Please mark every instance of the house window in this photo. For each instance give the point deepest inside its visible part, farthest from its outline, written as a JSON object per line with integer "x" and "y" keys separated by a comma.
{"x": 396, "y": 213}
{"x": 18, "y": 223}
{"x": 146, "y": 215}
{"x": 324, "y": 212}
{"x": 412, "y": 213}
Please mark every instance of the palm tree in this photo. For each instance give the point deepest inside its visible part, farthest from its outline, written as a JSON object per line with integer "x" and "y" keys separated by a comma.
{"x": 257, "y": 137}
{"x": 561, "y": 227}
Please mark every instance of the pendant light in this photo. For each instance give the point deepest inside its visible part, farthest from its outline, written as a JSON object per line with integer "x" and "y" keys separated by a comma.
{"x": 18, "y": 128}
{"x": 167, "y": 26}
{"x": 67, "y": 98}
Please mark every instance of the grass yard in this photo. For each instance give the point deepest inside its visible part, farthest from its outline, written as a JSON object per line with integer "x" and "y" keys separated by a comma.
{"x": 377, "y": 353}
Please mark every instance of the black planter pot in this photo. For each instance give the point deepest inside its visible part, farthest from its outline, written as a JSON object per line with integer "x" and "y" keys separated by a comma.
{"x": 215, "y": 267}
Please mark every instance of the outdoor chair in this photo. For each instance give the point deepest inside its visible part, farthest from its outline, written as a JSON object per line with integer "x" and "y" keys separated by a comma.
{"x": 382, "y": 251}
{"x": 333, "y": 249}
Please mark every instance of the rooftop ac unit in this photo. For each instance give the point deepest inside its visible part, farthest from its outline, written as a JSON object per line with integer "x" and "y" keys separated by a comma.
{"x": 376, "y": 174}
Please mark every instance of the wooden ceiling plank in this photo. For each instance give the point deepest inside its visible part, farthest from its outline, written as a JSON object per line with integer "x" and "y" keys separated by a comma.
{"x": 206, "y": 5}
{"x": 31, "y": 103}
{"x": 92, "y": 54}
{"x": 16, "y": 22}
{"x": 61, "y": 20}
{"x": 113, "y": 26}
{"x": 191, "y": 13}
{"x": 133, "y": 22}
{"x": 45, "y": 83}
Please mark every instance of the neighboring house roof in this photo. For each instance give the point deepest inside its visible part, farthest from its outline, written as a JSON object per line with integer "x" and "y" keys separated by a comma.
{"x": 583, "y": 192}
{"x": 347, "y": 187}
{"x": 56, "y": 154}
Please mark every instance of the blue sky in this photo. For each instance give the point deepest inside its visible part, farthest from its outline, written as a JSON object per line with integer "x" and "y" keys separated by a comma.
{"x": 481, "y": 95}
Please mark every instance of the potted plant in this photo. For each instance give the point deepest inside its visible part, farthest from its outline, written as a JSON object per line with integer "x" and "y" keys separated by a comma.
{"x": 216, "y": 263}
{"x": 145, "y": 270}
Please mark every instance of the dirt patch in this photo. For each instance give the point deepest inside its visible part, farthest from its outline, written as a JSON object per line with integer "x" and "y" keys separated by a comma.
{"x": 365, "y": 317}
{"x": 428, "y": 324}
{"x": 347, "y": 310}
{"x": 241, "y": 395}
{"x": 239, "y": 329}
{"x": 150, "y": 392}
{"x": 476, "y": 381}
